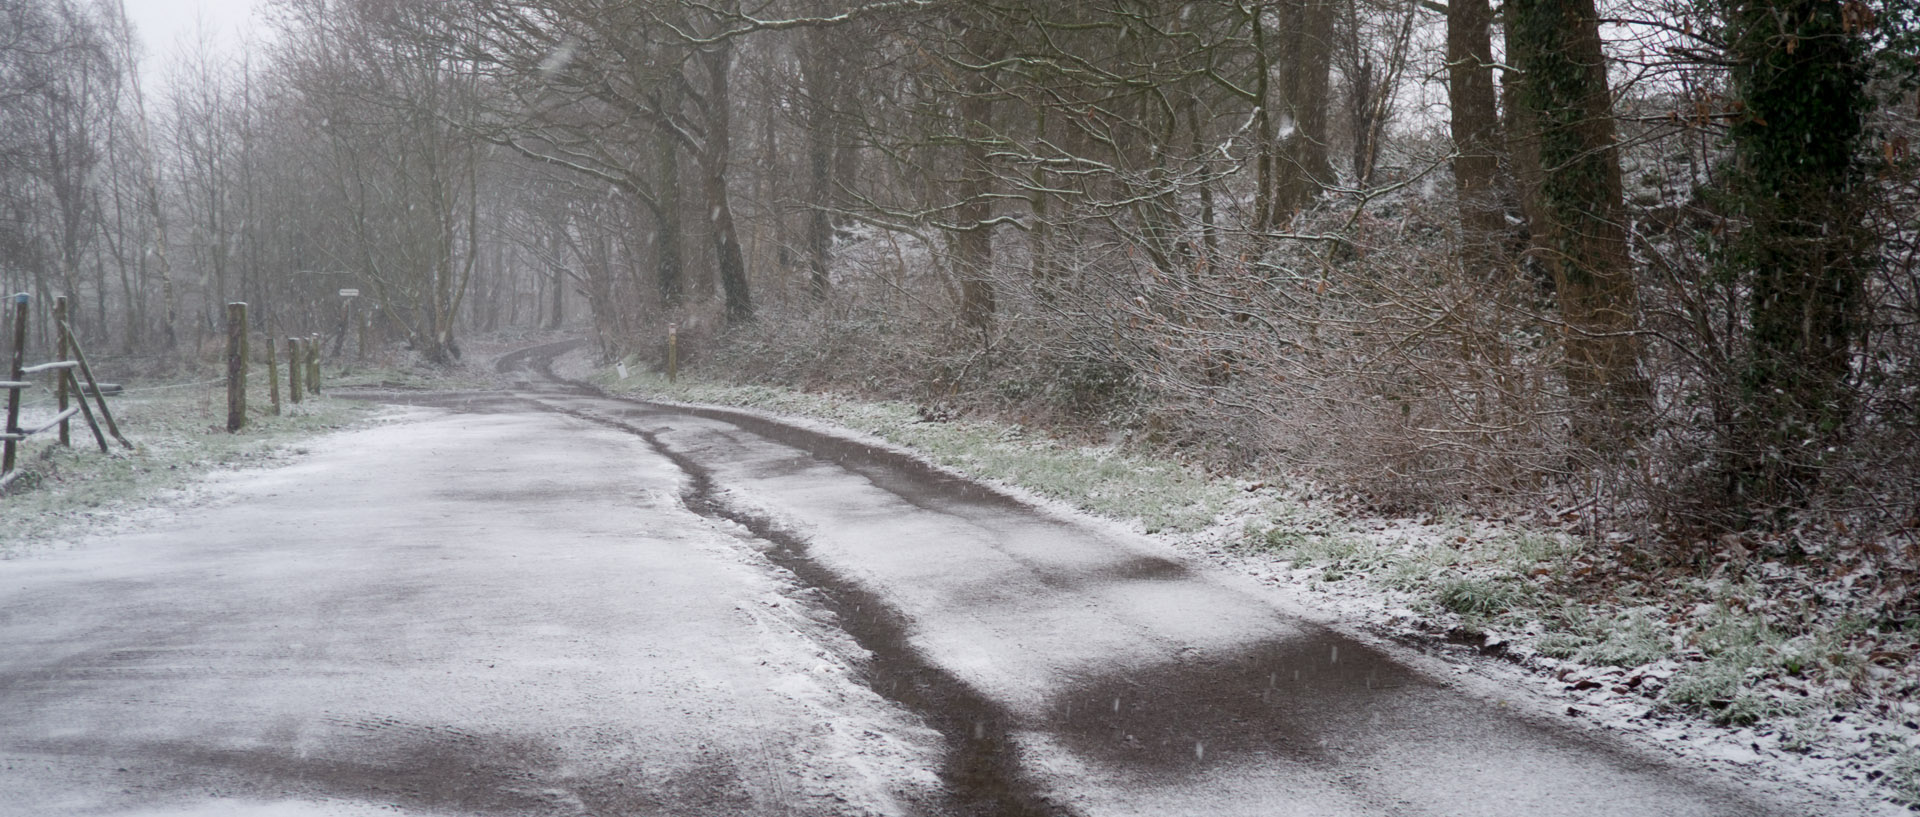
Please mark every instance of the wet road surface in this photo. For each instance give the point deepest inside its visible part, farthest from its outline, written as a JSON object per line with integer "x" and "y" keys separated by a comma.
{"x": 503, "y": 613}
{"x": 961, "y": 652}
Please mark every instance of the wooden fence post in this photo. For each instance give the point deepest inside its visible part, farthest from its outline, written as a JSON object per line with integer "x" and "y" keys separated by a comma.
{"x": 63, "y": 349}
{"x": 313, "y": 364}
{"x": 293, "y": 370}
{"x": 236, "y": 366}
{"x": 20, "y": 302}
{"x": 673, "y": 353}
{"x": 273, "y": 376}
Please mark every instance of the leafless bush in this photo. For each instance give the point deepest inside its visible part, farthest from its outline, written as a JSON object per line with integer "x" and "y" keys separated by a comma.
{"x": 1368, "y": 358}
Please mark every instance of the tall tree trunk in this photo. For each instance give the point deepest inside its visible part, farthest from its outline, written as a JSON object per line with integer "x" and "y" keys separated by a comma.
{"x": 1360, "y": 119}
{"x": 1264, "y": 211}
{"x": 1800, "y": 71}
{"x": 1209, "y": 233}
{"x": 718, "y": 61}
{"x": 974, "y": 243}
{"x": 1040, "y": 244}
{"x": 667, "y": 264}
{"x": 1580, "y": 234}
{"x": 823, "y": 80}
{"x": 1303, "y": 168}
{"x": 1475, "y": 121}
{"x": 557, "y": 244}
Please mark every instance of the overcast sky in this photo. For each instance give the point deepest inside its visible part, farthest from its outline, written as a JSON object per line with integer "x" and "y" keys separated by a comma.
{"x": 162, "y": 22}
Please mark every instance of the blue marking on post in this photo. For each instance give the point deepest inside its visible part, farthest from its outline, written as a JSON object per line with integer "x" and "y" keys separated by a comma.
{"x": 22, "y": 298}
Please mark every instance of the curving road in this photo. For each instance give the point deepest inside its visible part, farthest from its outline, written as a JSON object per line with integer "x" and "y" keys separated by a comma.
{"x": 546, "y": 601}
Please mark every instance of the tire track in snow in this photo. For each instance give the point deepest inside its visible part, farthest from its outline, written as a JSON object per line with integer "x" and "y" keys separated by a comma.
{"x": 982, "y": 771}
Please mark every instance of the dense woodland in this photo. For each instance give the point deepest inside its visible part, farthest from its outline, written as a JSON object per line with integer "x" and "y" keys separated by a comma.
{"x": 1654, "y": 259}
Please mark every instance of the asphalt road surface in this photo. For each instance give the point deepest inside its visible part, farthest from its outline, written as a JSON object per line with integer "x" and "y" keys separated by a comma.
{"x": 545, "y": 601}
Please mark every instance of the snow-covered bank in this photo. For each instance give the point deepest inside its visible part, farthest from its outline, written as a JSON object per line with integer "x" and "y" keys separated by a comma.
{"x": 179, "y": 437}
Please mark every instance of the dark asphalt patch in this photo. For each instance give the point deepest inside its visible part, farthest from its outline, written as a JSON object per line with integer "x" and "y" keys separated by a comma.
{"x": 418, "y": 768}
{"x": 982, "y": 771}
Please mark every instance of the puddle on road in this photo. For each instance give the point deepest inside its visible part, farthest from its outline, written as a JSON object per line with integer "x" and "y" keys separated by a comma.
{"x": 1299, "y": 700}
{"x": 425, "y": 768}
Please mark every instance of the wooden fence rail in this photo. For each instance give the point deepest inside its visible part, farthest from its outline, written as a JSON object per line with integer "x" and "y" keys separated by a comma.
{"x": 65, "y": 381}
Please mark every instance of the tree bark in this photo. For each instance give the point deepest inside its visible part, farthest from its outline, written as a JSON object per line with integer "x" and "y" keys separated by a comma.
{"x": 1579, "y": 233}
{"x": 717, "y": 59}
{"x": 1475, "y": 121}
{"x": 974, "y": 243}
{"x": 820, "y": 70}
{"x": 1303, "y": 168}
{"x": 669, "y": 271}
{"x": 1800, "y": 72}
{"x": 556, "y": 247}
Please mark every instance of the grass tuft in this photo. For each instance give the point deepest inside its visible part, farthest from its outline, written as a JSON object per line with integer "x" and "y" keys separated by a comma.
{"x": 1482, "y": 598}
{"x": 1631, "y": 639}
{"x": 1903, "y": 778}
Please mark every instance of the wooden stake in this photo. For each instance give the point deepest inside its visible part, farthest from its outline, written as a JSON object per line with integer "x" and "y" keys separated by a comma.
{"x": 236, "y": 366}
{"x": 61, "y": 344}
{"x": 313, "y": 364}
{"x": 20, "y": 302}
{"x": 293, "y": 370}
{"x": 273, "y": 376}
{"x": 99, "y": 397}
{"x": 67, "y": 378}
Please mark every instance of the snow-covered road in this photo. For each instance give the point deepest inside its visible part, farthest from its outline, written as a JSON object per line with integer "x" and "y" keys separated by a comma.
{"x": 465, "y": 613}
{"x": 553, "y": 602}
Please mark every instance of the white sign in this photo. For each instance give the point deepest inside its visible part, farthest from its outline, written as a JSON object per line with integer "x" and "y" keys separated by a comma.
{"x": 349, "y": 293}
{"x": 622, "y": 368}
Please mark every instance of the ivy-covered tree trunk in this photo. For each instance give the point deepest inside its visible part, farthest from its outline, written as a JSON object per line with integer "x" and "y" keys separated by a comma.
{"x": 1800, "y": 74}
{"x": 1578, "y": 227}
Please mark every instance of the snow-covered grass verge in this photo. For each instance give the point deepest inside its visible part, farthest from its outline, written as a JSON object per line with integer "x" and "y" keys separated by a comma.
{"x": 1784, "y": 672}
{"x": 1761, "y": 665}
{"x": 179, "y": 434}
